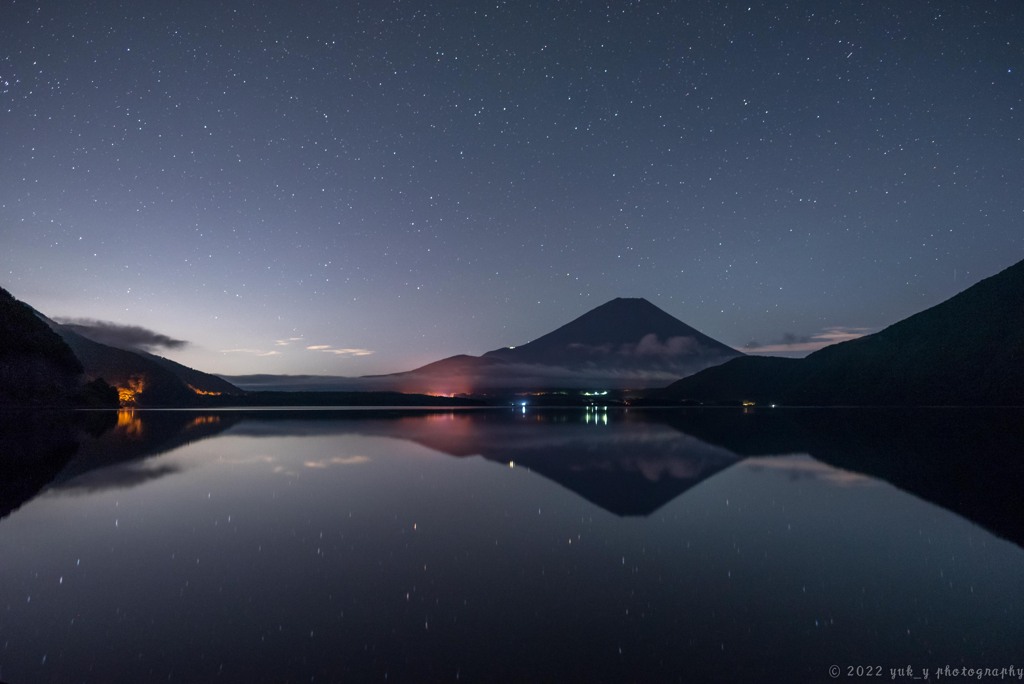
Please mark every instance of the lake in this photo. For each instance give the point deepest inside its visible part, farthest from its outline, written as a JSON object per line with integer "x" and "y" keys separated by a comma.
{"x": 517, "y": 544}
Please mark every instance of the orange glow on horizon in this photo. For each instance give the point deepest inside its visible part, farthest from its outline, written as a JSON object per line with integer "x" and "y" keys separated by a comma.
{"x": 204, "y": 393}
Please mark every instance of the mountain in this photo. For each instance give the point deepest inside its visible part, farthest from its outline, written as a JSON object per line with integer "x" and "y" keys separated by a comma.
{"x": 198, "y": 381}
{"x": 36, "y": 366}
{"x": 142, "y": 379}
{"x": 624, "y": 343}
{"x": 968, "y": 350}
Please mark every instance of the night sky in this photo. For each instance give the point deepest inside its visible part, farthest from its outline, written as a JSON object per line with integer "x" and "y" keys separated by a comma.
{"x": 360, "y": 187}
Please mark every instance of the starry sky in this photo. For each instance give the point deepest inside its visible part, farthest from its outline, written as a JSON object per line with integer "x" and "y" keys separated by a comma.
{"x": 360, "y": 187}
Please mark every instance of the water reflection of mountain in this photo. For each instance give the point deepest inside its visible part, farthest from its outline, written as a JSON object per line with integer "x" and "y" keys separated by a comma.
{"x": 633, "y": 467}
{"x": 90, "y": 449}
{"x": 133, "y": 437}
{"x": 627, "y": 462}
{"x": 34, "y": 446}
{"x": 965, "y": 460}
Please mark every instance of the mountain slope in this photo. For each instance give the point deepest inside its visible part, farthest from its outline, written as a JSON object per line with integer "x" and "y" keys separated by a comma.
{"x": 624, "y": 343}
{"x": 629, "y": 332}
{"x": 196, "y": 380}
{"x": 36, "y": 366}
{"x": 143, "y": 379}
{"x": 966, "y": 350}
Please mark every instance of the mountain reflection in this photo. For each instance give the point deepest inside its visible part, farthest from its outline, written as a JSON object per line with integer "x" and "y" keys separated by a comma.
{"x": 117, "y": 458}
{"x": 91, "y": 450}
{"x": 34, "y": 446}
{"x": 630, "y": 463}
{"x": 965, "y": 460}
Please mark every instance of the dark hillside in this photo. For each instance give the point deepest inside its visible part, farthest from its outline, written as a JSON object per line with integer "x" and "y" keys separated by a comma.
{"x": 36, "y": 366}
{"x": 968, "y": 350}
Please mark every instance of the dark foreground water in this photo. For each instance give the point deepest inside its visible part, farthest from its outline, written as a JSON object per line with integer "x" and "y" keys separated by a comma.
{"x": 492, "y": 546}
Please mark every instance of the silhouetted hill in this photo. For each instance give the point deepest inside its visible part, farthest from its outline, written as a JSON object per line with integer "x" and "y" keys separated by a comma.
{"x": 968, "y": 350}
{"x": 45, "y": 363}
{"x": 204, "y": 382}
{"x": 36, "y": 366}
{"x": 143, "y": 379}
{"x": 625, "y": 343}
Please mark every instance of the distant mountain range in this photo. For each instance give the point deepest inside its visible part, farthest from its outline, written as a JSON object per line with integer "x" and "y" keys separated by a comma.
{"x": 624, "y": 343}
{"x": 968, "y": 350}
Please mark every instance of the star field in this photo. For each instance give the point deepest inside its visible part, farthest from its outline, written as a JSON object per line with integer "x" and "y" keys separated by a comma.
{"x": 368, "y": 186}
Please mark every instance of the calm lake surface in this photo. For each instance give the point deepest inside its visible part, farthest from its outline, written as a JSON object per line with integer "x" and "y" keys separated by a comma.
{"x": 509, "y": 545}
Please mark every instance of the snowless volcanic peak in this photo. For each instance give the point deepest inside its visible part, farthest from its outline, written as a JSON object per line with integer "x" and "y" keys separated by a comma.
{"x": 624, "y": 343}
{"x": 624, "y": 328}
